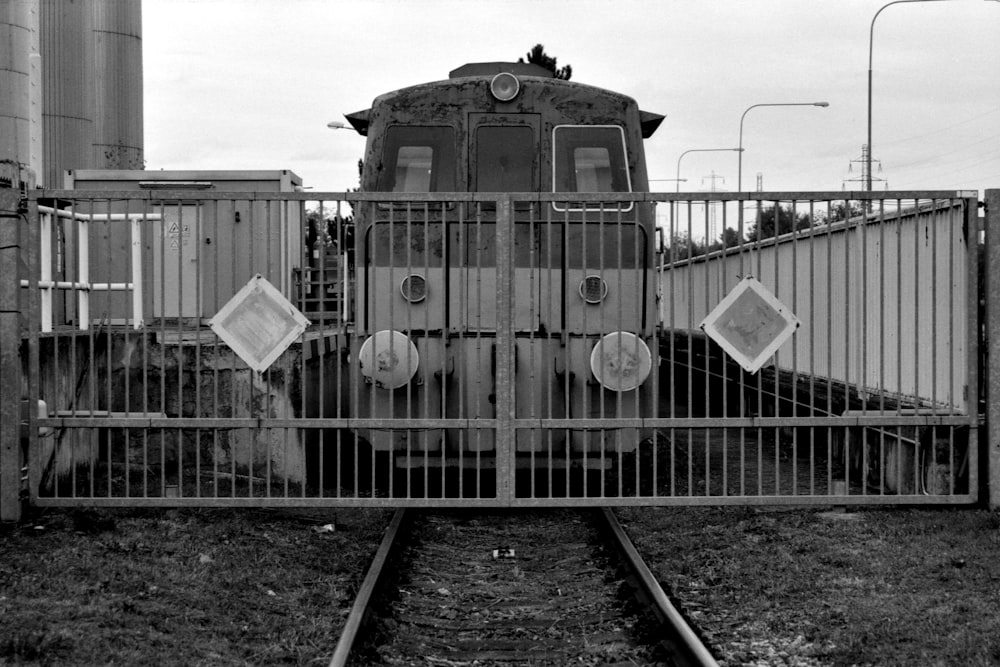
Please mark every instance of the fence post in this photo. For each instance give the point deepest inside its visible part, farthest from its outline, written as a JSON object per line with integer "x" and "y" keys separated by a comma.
{"x": 506, "y": 438}
{"x": 992, "y": 296}
{"x": 10, "y": 362}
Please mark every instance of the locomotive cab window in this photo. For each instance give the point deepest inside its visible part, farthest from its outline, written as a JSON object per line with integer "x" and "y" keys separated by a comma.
{"x": 589, "y": 158}
{"x": 418, "y": 159}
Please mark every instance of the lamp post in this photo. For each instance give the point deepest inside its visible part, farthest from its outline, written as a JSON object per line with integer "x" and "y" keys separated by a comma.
{"x": 697, "y": 150}
{"x": 871, "y": 39}
{"x": 739, "y": 176}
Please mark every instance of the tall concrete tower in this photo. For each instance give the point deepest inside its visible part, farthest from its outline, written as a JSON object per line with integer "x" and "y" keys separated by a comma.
{"x": 117, "y": 39}
{"x": 71, "y": 93}
{"x": 20, "y": 94}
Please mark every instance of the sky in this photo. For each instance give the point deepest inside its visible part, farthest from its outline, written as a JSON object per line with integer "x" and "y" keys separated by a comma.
{"x": 252, "y": 84}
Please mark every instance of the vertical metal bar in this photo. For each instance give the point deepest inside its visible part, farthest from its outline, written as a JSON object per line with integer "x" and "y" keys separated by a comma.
{"x": 974, "y": 350}
{"x": 993, "y": 354}
{"x": 848, "y": 442}
{"x": 505, "y": 436}
{"x": 934, "y": 302}
{"x": 991, "y": 281}
{"x": 811, "y": 364}
{"x": 45, "y": 268}
{"x": 863, "y": 302}
{"x": 689, "y": 412}
{"x": 108, "y": 271}
{"x": 706, "y": 433}
{"x": 777, "y": 370}
{"x": 10, "y": 361}
{"x": 83, "y": 272}
{"x": 793, "y": 407}
{"x": 881, "y": 310}
{"x": 461, "y": 268}
{"x": 215, "y": 358}
{"x": 30, "y": 248}
{"x": 533, "y": 399}
{"x": 759, "y": 272}
{"x": 916, "y": 298}
{"x": 196, "y": 240}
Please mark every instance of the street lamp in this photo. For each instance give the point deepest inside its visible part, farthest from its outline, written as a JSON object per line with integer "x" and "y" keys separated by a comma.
{"x": 698, "y": 150}
{"x": 739, "y": 176}
{"x": 871, "y": 38}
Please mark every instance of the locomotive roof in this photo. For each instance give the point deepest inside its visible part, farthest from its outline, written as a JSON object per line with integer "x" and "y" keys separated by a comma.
{"x": 649, "y": 121}
{"x": 486, "y": 69}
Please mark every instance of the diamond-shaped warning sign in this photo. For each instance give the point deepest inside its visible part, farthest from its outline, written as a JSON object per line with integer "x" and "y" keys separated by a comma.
{"x": 750, "y": 324}
{"x": 259, "y": 323}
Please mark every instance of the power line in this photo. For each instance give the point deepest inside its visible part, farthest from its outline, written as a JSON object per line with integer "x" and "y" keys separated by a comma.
{"x": 941, "y": 129}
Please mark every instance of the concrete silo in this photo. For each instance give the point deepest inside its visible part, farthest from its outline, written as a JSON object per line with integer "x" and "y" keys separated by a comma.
{"x": 20, "y": 94}
{"x": 67, "y": 71}
{"x": 117, "y": 40}
{"x": 70, "y": 87}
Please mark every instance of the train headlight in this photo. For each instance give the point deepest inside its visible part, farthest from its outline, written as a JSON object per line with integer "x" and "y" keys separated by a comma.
{"x": 389, "y": 359}
{"x": 414, "y": 288}
{"x": 593, "y": 289}
{"x": 505, "y": 86}
{"x": 621, "y": 361}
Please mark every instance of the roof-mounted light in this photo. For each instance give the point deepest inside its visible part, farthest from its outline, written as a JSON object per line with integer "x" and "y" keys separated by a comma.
{"x": 505, "y": 86}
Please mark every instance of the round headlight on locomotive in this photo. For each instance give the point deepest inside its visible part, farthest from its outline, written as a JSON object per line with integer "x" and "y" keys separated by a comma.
{"x": 389, "y": 359}
{"x": 621, "y": 361}
{"x": 414, "y": 288}
{"x": 593, "y": 289}
{"x": 505, "y": 86}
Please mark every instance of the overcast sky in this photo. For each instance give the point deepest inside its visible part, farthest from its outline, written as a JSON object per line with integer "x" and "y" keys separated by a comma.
{"x": 252, "y": 84}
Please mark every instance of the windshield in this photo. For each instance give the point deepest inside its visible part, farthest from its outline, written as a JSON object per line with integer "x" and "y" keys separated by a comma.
{"x": 418, "y": 159}
{"x": 589, "y": 158}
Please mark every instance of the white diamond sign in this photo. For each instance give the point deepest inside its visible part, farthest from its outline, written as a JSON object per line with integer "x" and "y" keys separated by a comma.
{"x": 750, "y": 324}
{"x": 259, "y": 323}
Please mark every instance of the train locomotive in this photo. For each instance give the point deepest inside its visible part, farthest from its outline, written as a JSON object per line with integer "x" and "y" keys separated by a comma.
{"x": 584, "y": 313}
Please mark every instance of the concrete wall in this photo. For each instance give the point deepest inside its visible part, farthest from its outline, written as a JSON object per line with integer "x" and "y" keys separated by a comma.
{"x": 884, "y": 302}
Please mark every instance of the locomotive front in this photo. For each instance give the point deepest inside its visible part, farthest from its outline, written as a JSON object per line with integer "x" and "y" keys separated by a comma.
{"x": 582, "y": 271}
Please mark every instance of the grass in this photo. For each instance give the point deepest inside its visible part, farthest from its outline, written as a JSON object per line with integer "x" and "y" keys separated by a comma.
{"x": 209, "y": 587}
{"x": 887, "y": 587}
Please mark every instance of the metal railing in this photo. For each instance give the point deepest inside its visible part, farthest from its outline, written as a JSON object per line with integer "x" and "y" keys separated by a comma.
{"x": 872, "y": 400}
{"x": 82, "y": 285}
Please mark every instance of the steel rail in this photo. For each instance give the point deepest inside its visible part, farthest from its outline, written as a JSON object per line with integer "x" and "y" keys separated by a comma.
{"x": 373, "y": 579}
{"x": 691, "y": 650}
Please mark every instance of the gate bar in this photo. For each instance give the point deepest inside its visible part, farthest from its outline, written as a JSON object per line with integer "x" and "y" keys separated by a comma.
{"x": 992, "y": 284}
{"x": 505, "y": 438}
{"x": 10, "y": 363}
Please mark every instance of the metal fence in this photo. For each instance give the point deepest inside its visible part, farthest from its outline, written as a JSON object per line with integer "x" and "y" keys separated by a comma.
{"x": 460, "y": 349}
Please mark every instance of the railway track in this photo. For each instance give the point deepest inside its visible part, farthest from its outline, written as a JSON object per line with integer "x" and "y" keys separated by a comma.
{"x": 537, "y": 588}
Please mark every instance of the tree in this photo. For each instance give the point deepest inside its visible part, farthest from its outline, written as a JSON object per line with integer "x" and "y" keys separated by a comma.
{"x": 537, "y": 56}
{"x": 730, "y": 238}
{"x": 846, "y": 210}
{"x": 680, "y": 246}
{"x": 788, "y": 221}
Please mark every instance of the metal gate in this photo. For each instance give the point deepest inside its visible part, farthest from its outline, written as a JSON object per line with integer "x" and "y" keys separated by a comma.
{"x": 203, "y": 348}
